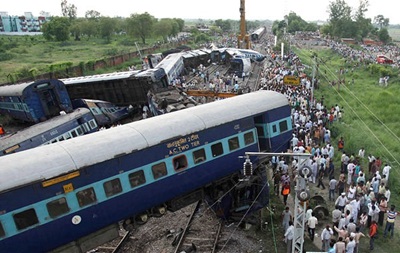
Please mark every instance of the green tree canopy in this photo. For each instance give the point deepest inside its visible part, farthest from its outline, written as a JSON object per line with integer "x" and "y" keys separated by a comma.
{"x": 107, "y": 27}
{"x": 141, "y": 25}
{"x": 58, "y": 29}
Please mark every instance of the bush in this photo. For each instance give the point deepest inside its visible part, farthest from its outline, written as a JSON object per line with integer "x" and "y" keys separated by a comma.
{"x": 6, "y": 56}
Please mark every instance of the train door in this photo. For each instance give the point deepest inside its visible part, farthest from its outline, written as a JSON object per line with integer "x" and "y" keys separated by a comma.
{"x": 262, "y": 132}
{"x": 49, "y": 100}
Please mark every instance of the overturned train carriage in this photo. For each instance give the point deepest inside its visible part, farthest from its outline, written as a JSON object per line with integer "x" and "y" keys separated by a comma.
{"x": 120, "y": 88}
{"x": 34, "y": 101}
{"x": 74, "y": 188}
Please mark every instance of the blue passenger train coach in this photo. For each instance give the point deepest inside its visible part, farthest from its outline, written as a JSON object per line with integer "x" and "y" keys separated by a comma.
{"x": 73, "y": 188}
{"x": 62, "y": 127}
{"x": 34, "y": 101}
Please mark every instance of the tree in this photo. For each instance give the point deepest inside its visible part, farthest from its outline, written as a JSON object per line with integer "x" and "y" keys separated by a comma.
{"x": 364, "y": 26}
{"x": 339, "y": 18}
{"x": 141, "y": 25}
{"x": 90, "y": 27}
{"x": 383, "y": 35}
{"x": 76, "y": 29}
{"x": 68, "y": 10}
{"x": 181, "y": 24}
{"x": 163, "y": 28}
{"x": 92, "y": 14}
{"x": 225, "y": 25}
{"x": 58, "y": 29}
{"x": 107, "y": 28}
{"x": 381, "y": 21}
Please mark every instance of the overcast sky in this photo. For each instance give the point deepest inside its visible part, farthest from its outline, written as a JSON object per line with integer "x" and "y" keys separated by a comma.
{"x": 309, "y": 10}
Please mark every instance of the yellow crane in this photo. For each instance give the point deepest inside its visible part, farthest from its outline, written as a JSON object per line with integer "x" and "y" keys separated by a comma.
{"x": 243, "y": 38}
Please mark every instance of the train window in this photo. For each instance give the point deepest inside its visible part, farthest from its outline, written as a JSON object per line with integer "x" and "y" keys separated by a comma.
{"x": 233, "y": 143}
{"x": 274, "y": 128}
{"x": 67, "y": 136}
{"x": 79, "y": 130}
{"x": 25, "y": 219}
{"x": 85, "y": 127}
{"x": 61, "y": 138}
{"x": 159, "y": 170}
{"x": 180, "y": 162}
{"x": 137, "y": 178}
{"x": 57, "y": 207}
{"x": 112, "y": 187}
{"x": 86, "y": 197}
{"x": 92, "y": 124}
{"x": 283, "y": 126}
{"x": 217, "y": 149}
{"x": 248, "y": 138}
{"x": 199, "y": 156}
{"x": 74, "y": 134}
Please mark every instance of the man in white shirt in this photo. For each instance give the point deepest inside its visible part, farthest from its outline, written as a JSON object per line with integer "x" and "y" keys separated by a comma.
{"x": 386, "y": 171}
{"x": 361, "y": 153}
{"x": 326, "y": 237}
{"x": 289, "y": 235}
{"x": 311, "y": 223}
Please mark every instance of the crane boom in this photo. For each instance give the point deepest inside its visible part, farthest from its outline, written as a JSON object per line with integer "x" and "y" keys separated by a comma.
{"x": 243, "y": 38}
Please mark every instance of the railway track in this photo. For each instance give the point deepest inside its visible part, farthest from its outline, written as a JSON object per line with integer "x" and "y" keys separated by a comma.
{"x": 189, "y": 239}
{"x": 111, "y": 248}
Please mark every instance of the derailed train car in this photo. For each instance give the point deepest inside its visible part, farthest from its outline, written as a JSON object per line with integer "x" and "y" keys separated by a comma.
{"x": 73, "y": 188}
{"x": 59, "y": 128}
{"x": 34, "y": 101}
{"x": 120, "y": 88}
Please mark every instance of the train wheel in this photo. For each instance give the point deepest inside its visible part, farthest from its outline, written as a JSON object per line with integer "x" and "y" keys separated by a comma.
{"x": 142, "y": 218}
{"x": 159, "y": 211}
{"x": 128, "y": 225}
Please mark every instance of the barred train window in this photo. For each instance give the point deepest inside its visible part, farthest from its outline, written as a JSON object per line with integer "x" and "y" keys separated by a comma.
{"x": 25, "y": 219}
{"x": 217, "y": 149}
{"x": 86, "y": 197}
{"x": 233, "y": 143}
{"x": 2, "y": 233}
{"x": 159, "y": 170}
{"x": 274, "y": 128}
{"x": 248, "y": 138}
{"x": 283, "y": 126}
{"x": 112, "y": 187}
{"x": 180, "y": 163}
{"x": 137, "y": 178}
{"x": 57, "y": 207}
{"x": 199, "y": 156}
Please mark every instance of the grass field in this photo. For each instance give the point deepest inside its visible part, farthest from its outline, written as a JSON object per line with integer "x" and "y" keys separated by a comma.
{"x": 33, "y": 52}
{"x": 395, "y": 34}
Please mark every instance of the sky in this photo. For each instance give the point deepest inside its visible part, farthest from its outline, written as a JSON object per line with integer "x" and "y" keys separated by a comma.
{"x": 309, "y": 10}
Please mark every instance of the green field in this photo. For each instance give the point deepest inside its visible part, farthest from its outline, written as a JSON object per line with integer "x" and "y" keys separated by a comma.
{"x": 33, "y": 54}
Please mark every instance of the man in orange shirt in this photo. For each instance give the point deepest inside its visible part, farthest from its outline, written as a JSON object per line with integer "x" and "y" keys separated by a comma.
{"x": 373, "y": 229}
{"x": 1, "y": 130}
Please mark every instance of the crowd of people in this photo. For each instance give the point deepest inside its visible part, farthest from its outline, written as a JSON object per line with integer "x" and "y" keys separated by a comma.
{"x": 358, "y": 189}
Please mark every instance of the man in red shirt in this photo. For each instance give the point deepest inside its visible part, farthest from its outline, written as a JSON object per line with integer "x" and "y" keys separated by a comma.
{"x": 373, "y": 229}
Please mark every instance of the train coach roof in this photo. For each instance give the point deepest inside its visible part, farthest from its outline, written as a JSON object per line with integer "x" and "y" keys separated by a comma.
{"x": 39, "y": 128}
{"x": 14, "y": 89}
{"x": 56, "y": 159}
{"x": 100, "y": 77}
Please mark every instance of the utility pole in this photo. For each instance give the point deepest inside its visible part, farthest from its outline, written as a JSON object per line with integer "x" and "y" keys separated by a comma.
{"x": 314, "y": 63}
